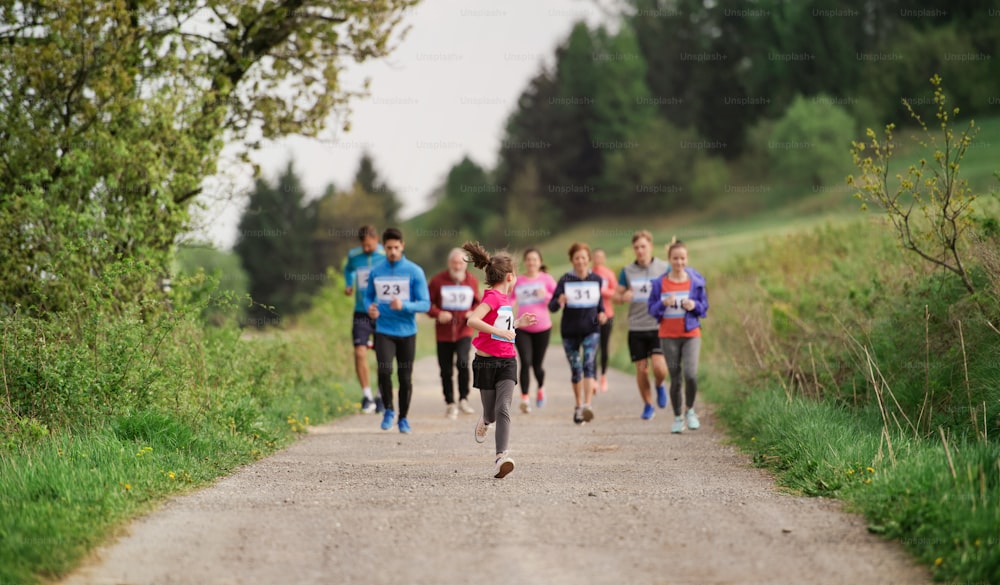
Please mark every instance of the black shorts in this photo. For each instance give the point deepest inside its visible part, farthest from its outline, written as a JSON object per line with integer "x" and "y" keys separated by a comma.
{"x": 362, "y": 329}
{"x": 487, "y": 371}
{"x": 642, "y": 344}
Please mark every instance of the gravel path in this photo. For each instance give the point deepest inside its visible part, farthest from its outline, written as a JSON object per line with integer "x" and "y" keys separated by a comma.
{"x": 619, "y": 500}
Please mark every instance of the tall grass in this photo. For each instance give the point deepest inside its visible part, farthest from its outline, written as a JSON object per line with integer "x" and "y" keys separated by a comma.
{"x": 106, "y": 413}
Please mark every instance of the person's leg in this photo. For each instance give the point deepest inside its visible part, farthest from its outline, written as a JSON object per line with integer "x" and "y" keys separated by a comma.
{"x": 523, "y": 343}
{"x": 589, "y": 365}
{"x": 690, "y": 351}
{"x": 445, "y": 351}
{"x": 539, "y": 345}
{"x": 362, "y": 328}
{"x": 605, "y": 339}
{"x": 572, "y": 348}
{"x": 640, "y": 357}
{"x": 672, "y": 355}
{"x": 385, "y": 352}
{"x": 502, "y": 397}
{"x": 406, "y": 349}
{"x": 462, "y": 348}
{"x": 489, "y": 398}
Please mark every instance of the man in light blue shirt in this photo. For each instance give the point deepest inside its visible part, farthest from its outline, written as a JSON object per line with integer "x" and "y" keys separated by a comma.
{"x": 360, "y": 261}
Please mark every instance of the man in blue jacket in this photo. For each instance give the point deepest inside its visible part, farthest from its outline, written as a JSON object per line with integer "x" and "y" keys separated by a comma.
{"x": 397, "y": 291}
{"x": 359, "y": 263}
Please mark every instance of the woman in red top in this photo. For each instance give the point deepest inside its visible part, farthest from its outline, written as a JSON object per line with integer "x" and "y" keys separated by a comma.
{"x": 608, "y": 284}
{"x": 679, "y": 301}
{"x": 494, "y": 369}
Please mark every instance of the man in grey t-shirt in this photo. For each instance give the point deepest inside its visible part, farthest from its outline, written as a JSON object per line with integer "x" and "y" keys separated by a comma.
{"x": 643, "y": 340}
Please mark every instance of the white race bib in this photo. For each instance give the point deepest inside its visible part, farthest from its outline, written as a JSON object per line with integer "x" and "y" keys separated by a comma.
{"x": 361, "y": 278}
{"x": 530, "y": 294}
{"x": 640, "y": 289}
{"x": 456, "y": 297}
{"x": 674, "y": 310}
{"x": 390, "y": 287}
{"x": 505, "y": 320}
{"x": 582, "y": 295}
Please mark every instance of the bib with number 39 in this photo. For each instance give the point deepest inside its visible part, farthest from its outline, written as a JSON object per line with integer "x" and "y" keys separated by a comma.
{"x": 505, "y": 320}
{"x": 456, "y": 297}
{"x": 390, "y": 287}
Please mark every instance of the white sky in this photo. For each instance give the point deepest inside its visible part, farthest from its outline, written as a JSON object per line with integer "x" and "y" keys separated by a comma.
{"x": 445, "y": 92}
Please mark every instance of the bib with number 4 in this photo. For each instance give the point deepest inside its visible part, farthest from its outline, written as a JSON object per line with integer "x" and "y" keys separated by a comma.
{"x": 390, "y": 287}
{"x": 456, "y": 297}
{"x": 505, "y": 320}
{"x": 582, "y": 295}
{"x": 640, "y": 289}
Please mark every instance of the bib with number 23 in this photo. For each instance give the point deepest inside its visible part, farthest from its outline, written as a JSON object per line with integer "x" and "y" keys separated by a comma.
{"x": 390, "y": 287}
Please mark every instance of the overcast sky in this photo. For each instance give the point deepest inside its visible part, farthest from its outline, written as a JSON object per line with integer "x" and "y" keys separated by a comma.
{"x": 445, "y": 92}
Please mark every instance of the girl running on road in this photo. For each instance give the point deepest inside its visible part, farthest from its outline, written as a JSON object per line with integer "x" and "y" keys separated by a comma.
{"x": 678, "y": 300}
{"x": 532, "y": 292}
{"x": 494, "y": 369}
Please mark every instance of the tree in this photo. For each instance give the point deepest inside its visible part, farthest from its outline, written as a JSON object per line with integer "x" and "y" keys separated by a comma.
{"x": 931, "y": 207}
{"x": 275, "y": 245}
{"x": 338, "y": 217}
{"x": 807, "y": 145}
{"x": 112, "y": 114}
{"x": 369, "y": 181}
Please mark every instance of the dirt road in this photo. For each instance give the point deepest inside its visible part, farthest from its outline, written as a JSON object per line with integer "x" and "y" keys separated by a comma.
{"x": 619, "y": 500}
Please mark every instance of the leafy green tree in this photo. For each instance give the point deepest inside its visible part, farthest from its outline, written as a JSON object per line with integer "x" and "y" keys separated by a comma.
{"x": 275, "y": 246}
{"x": 338, "y": 217}
{"x": 370, "y": 182}
{"x": 112, "y": 114}
{"x": 807, "y": 145}
{"x": 213, "y": 275}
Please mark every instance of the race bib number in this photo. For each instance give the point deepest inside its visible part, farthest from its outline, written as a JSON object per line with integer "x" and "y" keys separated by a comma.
{"x": 505, "y": 320}
{"x": 674, "y": 310}
{"x": 640, "y": 289}
{"x": 582, "y": 295}
{"x": 361, "y": 278}
{"x": 390, "y": 287}
{"x": 456, "y": 297}
{"x": 530, "y": 294}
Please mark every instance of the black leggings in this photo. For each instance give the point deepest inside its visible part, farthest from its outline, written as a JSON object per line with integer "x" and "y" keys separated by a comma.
{"x": 452, "y": 355}
{"x": 403, "y": 350}
{"x": 605, "y": 338}
{"x": 531, "y": 352}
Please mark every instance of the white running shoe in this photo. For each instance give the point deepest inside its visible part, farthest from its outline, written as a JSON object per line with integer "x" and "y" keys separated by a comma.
{"x": 525, "y": 404}
{"x": 504, "y": 465}
{"x": 692, "y": 420}
{"x": 678, "y": 426}
{"x": 452, "y": 411}
{"x": 481, "y": 429}
{"x": 464, "y": 406}
{"x": 588, "y": 414}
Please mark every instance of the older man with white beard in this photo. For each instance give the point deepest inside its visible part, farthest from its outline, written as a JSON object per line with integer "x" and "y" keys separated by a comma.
{"x": 454, "y": 293}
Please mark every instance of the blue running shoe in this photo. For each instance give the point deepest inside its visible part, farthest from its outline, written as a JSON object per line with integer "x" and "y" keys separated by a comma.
{"x": 387, "y": 418}
{"x": 661, "y": 396}
{"x": 404, "y": 425}
{"x": 648, "y": 412}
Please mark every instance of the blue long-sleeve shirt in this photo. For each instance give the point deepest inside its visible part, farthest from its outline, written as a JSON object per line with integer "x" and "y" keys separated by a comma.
{"x": 404, "y": 280}
{"x": 699, "y": 295}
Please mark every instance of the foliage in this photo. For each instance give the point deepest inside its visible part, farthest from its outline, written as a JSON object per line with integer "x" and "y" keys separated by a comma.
{"x": 931, "y": 206}
{"x": 215, "y": 279}
{"x": 275, "y": 246}
{"x": 114, "y": 112}
{"x": 806, "y": 147}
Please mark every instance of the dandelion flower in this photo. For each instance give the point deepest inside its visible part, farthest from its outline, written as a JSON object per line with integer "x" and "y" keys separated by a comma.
{"x": 128, "y": 487}
{"x": 870, "y": 470}
{"x": 171, "y": 475}
{"x": 938, "y": 561}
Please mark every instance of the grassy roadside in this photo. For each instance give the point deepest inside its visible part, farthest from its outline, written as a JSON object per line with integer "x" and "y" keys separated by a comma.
{"x": 841, "y": 366}
{"x": 116, "y": 416}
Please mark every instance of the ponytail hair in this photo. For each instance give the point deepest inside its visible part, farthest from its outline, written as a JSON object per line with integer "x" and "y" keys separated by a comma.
{"x": 674, "y": 244}
{"x": 496, "y": 267}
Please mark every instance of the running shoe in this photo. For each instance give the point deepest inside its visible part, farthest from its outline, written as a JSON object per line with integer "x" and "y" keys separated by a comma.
{"x": 678, "y": 426}
{"x": 604, "y": 383}
{"x": 661, "y": 396}
{"x": 387, "y": 417}
{"x": 648, "y": 412}
{"x": 404, "y": 426}
{"x": 482, "y": 427}
{"x": 379, "y": 407}
{"x": 588, "y": 414}
{"x": 540, "y": 401}
{"x": 464, "y": 406}
{"x": 367, "y": 405}
{"x": 578, "y": 415}
{"x": 504, "y": 465}
{"x": 692, "y": 420}
{"x": 525, "y": 404}
{"x": 451, "y": 411}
